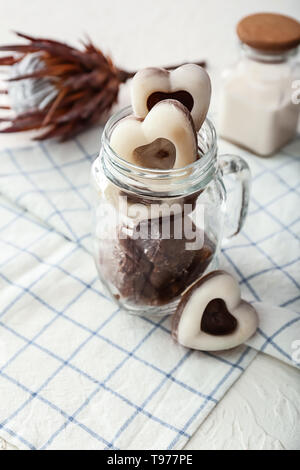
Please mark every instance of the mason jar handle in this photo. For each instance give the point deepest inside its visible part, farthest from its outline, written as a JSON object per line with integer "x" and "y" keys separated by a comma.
{"x": 236, "y": 166}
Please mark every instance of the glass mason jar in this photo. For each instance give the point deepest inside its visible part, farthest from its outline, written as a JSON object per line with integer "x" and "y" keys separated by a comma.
{"x": 259, "y": 101}
{"x": 156, "y": 231}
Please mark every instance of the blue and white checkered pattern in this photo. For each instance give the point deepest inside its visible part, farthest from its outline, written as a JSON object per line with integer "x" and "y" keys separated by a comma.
{"x": 75, "y": 372}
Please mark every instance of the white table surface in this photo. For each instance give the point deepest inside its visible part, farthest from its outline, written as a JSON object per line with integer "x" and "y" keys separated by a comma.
{"x": 261, "y": 410}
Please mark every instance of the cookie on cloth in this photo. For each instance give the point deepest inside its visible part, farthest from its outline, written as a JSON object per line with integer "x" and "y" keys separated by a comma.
{"x": 211, "y": 315}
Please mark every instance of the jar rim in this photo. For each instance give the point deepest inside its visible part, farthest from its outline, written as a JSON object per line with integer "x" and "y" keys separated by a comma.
{"x": 124, "y": 112}
{"x": 196, "y": 174}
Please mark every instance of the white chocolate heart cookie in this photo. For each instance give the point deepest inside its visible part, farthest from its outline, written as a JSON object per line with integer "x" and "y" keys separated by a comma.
{"x": 189, "y": 84}
{"x": 211, "y": 315}
{"x": 167, "y": 121}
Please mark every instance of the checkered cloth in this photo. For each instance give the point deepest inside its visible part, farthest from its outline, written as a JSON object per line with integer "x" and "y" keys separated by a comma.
{"x": 75, "y": 371}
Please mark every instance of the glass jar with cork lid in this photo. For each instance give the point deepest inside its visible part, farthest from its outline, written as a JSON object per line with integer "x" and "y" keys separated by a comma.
{"x": 260, "y": 103}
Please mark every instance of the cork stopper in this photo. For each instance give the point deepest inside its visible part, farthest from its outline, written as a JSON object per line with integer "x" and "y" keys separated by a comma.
{"x": 269, "y": 32}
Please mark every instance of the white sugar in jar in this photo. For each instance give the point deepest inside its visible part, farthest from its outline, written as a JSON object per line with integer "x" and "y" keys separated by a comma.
{"x": 259, "y": 102}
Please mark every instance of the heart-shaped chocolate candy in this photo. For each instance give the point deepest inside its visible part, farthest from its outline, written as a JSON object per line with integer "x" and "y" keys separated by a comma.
{"x": 188, "y": 84}
{"x": 165, "y": 139}
{"x": 216, "y": 320}
{"x": 211, "y": 315}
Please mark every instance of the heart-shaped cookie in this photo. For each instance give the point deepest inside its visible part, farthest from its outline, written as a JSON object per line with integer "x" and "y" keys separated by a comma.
{"x": 188, "y": 84}
{"x": 211, "y": 315}
{"x": 165, "y": 139}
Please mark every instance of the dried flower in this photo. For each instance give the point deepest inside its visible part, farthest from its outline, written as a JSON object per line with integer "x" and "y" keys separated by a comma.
{"x": 57, "y": 88}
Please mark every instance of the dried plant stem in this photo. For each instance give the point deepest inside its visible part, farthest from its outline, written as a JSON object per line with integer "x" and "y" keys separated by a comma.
{"x": 70, "y": 89}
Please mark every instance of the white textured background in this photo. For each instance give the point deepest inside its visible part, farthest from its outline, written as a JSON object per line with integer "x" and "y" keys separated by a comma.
{"x": 259, "y": 411}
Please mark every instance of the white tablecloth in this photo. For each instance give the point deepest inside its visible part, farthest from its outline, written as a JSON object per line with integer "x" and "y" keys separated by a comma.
{"x": 106, "y": 27}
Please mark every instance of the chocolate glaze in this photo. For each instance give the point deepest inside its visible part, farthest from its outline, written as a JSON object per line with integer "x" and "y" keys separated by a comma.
{"x": 182, "y": 96}
{"x": 159, "y": 154}
{"x": 217, "y": 320}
